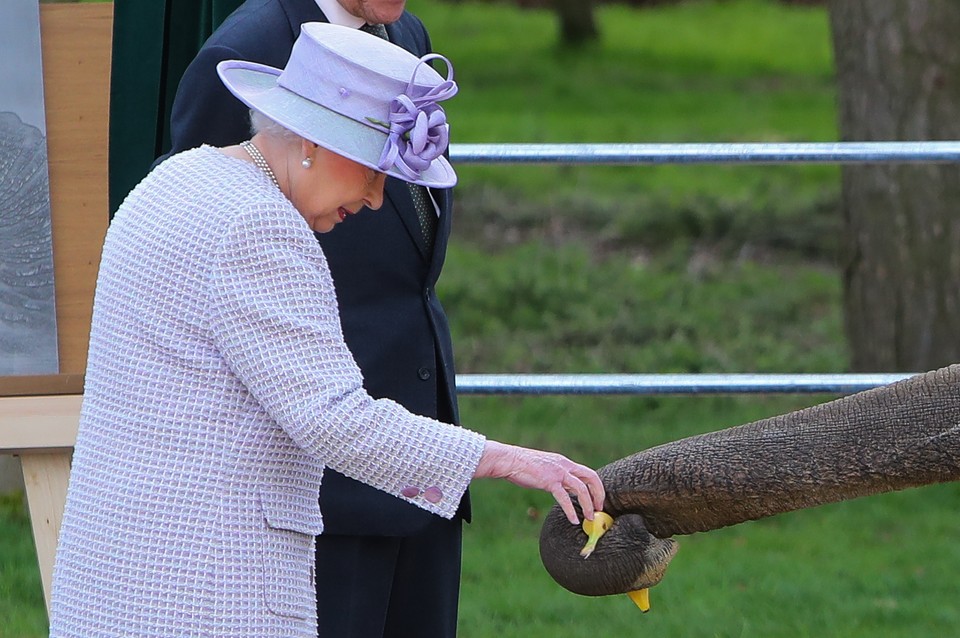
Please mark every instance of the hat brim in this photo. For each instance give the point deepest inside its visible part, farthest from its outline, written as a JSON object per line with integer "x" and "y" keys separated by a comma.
{"x": 256, "y": 86}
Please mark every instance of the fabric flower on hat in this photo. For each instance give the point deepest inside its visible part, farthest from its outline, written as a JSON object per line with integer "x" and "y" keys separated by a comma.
{"x": 418, "y": 130}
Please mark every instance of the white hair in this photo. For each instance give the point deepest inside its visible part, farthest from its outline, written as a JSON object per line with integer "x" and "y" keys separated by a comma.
{"x": 261, "y": 124}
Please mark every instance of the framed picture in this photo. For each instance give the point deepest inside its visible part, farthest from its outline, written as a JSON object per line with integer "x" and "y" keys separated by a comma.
{"x": 28, "y": 322}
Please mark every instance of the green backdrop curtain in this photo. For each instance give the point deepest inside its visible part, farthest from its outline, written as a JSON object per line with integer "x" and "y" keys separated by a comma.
{"x": 153, "y": 42}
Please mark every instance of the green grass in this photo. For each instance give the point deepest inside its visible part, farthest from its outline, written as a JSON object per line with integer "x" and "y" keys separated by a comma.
{"x": 22, "y": 611}
{"x": 550, "y": 307}
{"x": 649, "y": 269}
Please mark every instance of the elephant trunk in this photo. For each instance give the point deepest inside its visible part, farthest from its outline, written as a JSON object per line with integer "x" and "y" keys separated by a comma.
{"x": 890, "y": 438}
{"x": 902, "y": 435}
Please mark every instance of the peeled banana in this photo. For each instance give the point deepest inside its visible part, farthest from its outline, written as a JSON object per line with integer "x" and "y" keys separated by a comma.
{"x": 595, "y": 529}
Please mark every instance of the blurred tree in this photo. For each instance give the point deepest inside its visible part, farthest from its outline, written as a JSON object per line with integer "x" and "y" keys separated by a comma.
{"x": 577, "y": 23}
{"x": 898, "y": 75}
{"x": 576, "y": 17}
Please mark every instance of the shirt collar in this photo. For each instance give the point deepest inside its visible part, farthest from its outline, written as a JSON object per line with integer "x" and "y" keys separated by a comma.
{"x": 336, "y": 14}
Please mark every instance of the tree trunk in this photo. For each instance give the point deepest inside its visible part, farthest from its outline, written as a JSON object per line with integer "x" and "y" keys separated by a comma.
{"x": 898, "y": 72}
{"x": 577, "y": 23}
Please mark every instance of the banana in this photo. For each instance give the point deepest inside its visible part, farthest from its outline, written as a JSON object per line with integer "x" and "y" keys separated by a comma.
{"x": 641, "y": 597}
{"x": 595, "y": 529}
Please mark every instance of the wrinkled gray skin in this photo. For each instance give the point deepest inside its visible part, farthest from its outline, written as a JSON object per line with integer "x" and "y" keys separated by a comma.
{"x": 902, "y": 435}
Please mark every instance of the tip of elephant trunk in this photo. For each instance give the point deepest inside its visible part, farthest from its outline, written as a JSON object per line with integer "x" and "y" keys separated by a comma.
{"x": 628, "y": 558}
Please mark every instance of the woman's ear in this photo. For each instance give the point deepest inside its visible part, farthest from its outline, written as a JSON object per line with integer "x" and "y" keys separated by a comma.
{"x": 307, "y": 151}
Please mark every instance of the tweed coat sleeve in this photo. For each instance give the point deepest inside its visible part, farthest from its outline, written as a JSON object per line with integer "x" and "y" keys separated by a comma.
{"x": 275, "y": 322}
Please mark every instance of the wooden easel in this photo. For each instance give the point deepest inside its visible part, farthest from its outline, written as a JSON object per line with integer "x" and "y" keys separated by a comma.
{"x": 42, "y": 431}
{"x": 39, "y": 414}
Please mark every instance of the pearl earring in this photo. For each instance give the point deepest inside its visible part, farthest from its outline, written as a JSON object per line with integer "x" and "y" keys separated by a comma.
{"x": 307, "y": 162}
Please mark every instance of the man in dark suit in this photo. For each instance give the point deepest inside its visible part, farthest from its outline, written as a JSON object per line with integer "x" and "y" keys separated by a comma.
{"x": 384, "y": 567}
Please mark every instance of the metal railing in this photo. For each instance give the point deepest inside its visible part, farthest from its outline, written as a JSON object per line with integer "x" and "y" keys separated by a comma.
{"x": 580, "y": 384}
{"x": 753, "y": 153}
{"x": 691, "y": 153}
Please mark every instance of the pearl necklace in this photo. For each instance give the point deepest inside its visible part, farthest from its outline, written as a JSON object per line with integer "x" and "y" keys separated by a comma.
{"x": 259, "y": 160}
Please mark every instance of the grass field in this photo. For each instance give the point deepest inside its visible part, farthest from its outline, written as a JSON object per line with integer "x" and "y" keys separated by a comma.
{"x": 650, "y": 269}
{"x": 21, "y": 598}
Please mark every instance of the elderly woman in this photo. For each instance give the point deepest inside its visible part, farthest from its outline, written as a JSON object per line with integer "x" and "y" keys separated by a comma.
{"x": 219, "y": 387}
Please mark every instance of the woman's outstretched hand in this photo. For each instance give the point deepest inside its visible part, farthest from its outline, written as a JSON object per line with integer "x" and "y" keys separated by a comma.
{"x": 546, "y": 471}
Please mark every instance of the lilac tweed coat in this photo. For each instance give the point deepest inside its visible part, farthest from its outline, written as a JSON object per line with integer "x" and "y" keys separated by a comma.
{"x": 218, "y": 388}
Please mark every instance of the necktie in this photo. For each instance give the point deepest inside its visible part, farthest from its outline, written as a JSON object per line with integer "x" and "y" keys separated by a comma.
{"x": 376, "y": 29}
{"x": 426, "y": 213}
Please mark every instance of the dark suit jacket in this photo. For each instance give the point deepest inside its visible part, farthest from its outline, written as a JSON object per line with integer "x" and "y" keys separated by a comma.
{"x": 385, "y": 277}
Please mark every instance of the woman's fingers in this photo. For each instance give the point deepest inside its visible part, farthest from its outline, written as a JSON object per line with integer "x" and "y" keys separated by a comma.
{"x": 586, "y": 485}
{"x": 563, "y": 499}
{"x": 595, "y": 487}
{"x": 548, "y": 471}
{"x": 583, "y": 495}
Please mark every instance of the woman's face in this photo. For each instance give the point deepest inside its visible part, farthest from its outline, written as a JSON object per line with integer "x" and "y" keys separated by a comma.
{"x": 334, "y": 187}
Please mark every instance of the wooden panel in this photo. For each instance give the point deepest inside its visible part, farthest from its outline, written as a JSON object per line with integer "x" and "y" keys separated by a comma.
{"x": 35, "y": 424}
{"x": 41, "y": 384}
{"x": 76, "y": 42}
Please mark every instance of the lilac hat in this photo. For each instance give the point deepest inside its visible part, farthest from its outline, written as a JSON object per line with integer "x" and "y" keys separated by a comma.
{"x": 359, "y": 96}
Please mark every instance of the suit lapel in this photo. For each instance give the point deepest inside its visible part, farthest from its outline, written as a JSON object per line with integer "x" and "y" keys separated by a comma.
{"x": 399, "y": 195}
{"x": 397, "y": 35}
{"x": 443, "y": 197}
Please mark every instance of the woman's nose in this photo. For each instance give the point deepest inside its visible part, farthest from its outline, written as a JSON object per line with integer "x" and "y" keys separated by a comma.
{"x": 374, "y": 198}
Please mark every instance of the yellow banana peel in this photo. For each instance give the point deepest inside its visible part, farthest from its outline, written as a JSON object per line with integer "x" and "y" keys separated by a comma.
{"x": 641, "y": 598}
{"x": 595, "y": 529}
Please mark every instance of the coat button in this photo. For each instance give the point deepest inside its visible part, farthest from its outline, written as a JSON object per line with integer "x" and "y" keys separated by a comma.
{"x": 433, "y": 494}
{"x": 424, "y": 374}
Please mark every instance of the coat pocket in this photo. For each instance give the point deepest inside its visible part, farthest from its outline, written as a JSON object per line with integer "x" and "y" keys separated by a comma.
{"x": 292, "y": 521}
